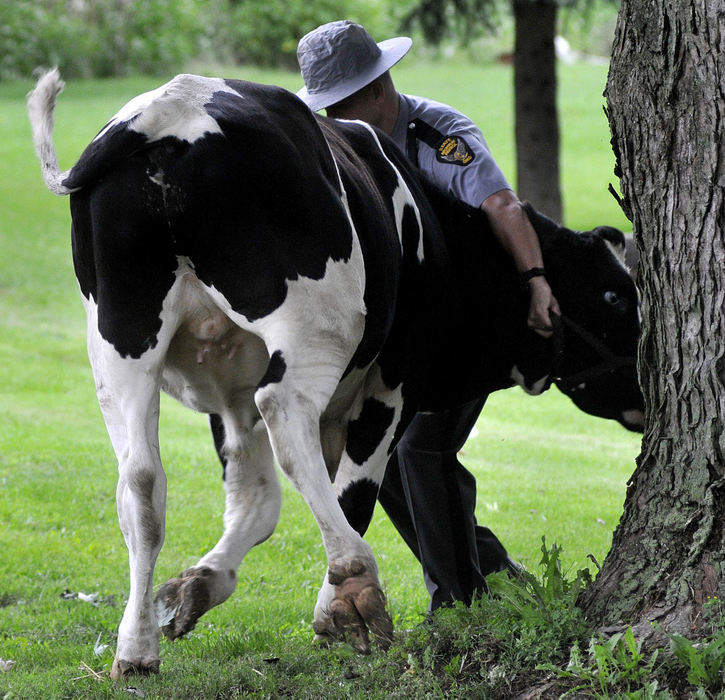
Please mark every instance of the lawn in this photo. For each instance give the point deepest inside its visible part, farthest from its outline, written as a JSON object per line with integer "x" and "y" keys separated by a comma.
{"x": 543, "y": 468}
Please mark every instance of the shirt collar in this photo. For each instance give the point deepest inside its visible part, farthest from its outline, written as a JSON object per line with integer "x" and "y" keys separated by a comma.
{"x": 400, "y": 130}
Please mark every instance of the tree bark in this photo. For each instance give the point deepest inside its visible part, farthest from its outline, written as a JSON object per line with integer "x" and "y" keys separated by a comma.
{"x": 537, "y": 124}
{"x": 666, "y": 100}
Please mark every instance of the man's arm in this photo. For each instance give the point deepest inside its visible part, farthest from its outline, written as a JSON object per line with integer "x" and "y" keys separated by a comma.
{"x": 514, "y": 231}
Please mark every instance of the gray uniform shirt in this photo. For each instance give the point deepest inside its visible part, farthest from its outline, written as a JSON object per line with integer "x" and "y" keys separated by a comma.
{"x": 449, "y": 148}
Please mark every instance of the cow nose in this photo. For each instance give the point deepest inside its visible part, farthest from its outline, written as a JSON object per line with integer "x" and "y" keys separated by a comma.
{"x": 633, "y": 419}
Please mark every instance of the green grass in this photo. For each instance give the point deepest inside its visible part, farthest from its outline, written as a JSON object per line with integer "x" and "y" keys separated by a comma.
{"x": 543, "y": 468}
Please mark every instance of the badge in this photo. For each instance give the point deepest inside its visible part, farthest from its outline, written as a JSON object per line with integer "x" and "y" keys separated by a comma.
{"x": 454, "y": 149}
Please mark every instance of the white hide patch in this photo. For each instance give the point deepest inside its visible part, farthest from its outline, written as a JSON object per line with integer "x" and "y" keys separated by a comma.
{"x": 618, "y": 252}
{"x": 633, "y": 417}
{"x": 401, "y": 197}
{"x": 175, "y": 109}
{"x": 391, "y": 398}
{"x": 329, "y": 313}
{"x": 328, "y": 305}
{"x": 535, "y": 389}
{"x": 318, "y": 326}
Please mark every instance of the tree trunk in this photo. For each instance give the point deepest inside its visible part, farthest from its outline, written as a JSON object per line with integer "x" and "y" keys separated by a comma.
{"x": 537, "y": 125}
{"x": 666, "y": 108}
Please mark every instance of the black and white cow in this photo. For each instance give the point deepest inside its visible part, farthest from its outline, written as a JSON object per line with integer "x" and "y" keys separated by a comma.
{"x": 286, "y": 275}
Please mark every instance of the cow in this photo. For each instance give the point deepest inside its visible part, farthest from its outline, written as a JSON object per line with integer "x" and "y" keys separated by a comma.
{"x": 288, "y": 275}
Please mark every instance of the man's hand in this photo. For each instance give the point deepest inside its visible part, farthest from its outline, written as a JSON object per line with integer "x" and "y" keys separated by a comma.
{"x": 542, "y": 301}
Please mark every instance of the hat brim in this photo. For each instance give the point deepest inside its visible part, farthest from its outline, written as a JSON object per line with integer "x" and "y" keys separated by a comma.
{"x": 391, "y": 51}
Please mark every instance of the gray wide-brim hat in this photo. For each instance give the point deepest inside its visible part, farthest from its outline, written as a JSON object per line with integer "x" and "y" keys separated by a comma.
{"x": 339, "y": 58}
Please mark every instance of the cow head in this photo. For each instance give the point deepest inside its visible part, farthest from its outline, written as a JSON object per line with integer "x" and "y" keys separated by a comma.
{"x": 596, "y": 336}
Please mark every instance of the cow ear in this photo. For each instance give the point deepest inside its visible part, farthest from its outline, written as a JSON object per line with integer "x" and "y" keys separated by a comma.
{"x": 611, "y": 235}
{"x": 614, "y": 238}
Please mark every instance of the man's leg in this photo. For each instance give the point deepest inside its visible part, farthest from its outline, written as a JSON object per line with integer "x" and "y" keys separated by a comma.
{"x": 431, "y": 499}
{"x": 492, "y": 556}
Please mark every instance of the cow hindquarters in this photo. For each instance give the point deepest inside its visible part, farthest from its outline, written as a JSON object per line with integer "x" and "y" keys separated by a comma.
{"x": 253, "y": 500}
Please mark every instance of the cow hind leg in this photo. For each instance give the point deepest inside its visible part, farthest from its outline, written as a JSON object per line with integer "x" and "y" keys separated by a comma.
{"x": 360, "y": 472}
{"x": 291, "y": 405}
{"x": 253, "y": 500}
{"x": 129, "y": 400}
{"x": 343, "y": 603}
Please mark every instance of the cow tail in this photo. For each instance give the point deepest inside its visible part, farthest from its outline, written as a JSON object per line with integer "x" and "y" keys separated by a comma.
{"x": 41, "y": 105}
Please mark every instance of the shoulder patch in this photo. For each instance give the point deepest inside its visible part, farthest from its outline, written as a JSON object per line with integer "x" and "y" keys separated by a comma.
{"x": 454, "y": 149}
{"x": 449, "y": 149}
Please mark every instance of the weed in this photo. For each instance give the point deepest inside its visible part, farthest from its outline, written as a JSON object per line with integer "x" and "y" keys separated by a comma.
{"x": 615, "y": 665}
{"x": 497, "y": 642}
{"x": 544, "y": 606}
{"x": 704, "y": 662}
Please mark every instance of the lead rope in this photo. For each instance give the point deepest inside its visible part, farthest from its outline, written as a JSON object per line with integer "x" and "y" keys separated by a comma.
{"x": 609, "y": 361}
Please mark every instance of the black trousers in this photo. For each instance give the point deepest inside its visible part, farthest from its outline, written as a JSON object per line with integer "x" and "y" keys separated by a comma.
{"x": 431, "y": 499}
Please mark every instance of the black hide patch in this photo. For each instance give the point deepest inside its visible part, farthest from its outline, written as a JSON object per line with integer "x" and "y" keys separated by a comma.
{"x": 102, "y": 155}
{"x": 219, "y": 435}
{"x": 275, "y": 370}
{"x": 262, "y": 199}
{"x": 123, "y": 255}
{"x": 365, "y": 433}
{"x": 358, "y": 503}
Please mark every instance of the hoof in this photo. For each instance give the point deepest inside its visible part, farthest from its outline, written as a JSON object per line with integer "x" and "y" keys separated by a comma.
{"x": 356, "y": 612}
{"x": 138, "y": 667}
{"x": 323, "y": 639}
{"x": 180, "y": 602}
{"x": 370, "y": 602}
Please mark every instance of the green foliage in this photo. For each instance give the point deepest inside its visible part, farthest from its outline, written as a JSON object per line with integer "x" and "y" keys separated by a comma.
{"x": 535, "y": 600}
{"x": 618, "y": 666}
{"x": 121, "y": 37}
{"x": 544, "y": 605}
{"x": 704, "y": 661}
{"x": 526, "y": 620}
{"x": 464, "y": 19}
{"x": 266, "y": 32}
{"x": 96, "y": 37}
{"x": 614, "y": 666}
{"x": 118, "y": 37}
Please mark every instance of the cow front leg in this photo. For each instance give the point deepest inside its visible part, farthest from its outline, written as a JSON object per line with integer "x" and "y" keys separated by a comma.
{"x": 357, "y": 603}
{"x": 253, "y": 500}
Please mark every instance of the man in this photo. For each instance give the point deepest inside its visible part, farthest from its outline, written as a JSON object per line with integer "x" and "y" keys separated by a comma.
{"x": 428, "y": 494}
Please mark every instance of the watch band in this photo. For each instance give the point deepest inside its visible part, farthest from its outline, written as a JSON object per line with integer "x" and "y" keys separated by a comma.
{"x": 530, "y": 273}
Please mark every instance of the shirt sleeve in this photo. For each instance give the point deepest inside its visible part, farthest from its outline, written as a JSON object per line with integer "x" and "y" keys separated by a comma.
{"x": 462, "y": 165}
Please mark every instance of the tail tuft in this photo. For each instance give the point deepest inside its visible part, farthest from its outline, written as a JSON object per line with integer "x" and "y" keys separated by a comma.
{"x": 41, "y": 105}
{"x": 47, "y": 87}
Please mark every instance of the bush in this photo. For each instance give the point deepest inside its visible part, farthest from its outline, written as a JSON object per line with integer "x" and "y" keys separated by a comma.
{"x": 96, "y": 37}
{"x": 101, "y": 38}
{"x": 266, "y": 32}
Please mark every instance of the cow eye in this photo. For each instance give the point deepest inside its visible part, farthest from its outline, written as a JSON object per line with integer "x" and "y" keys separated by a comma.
{"x": 612, "y": 298}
